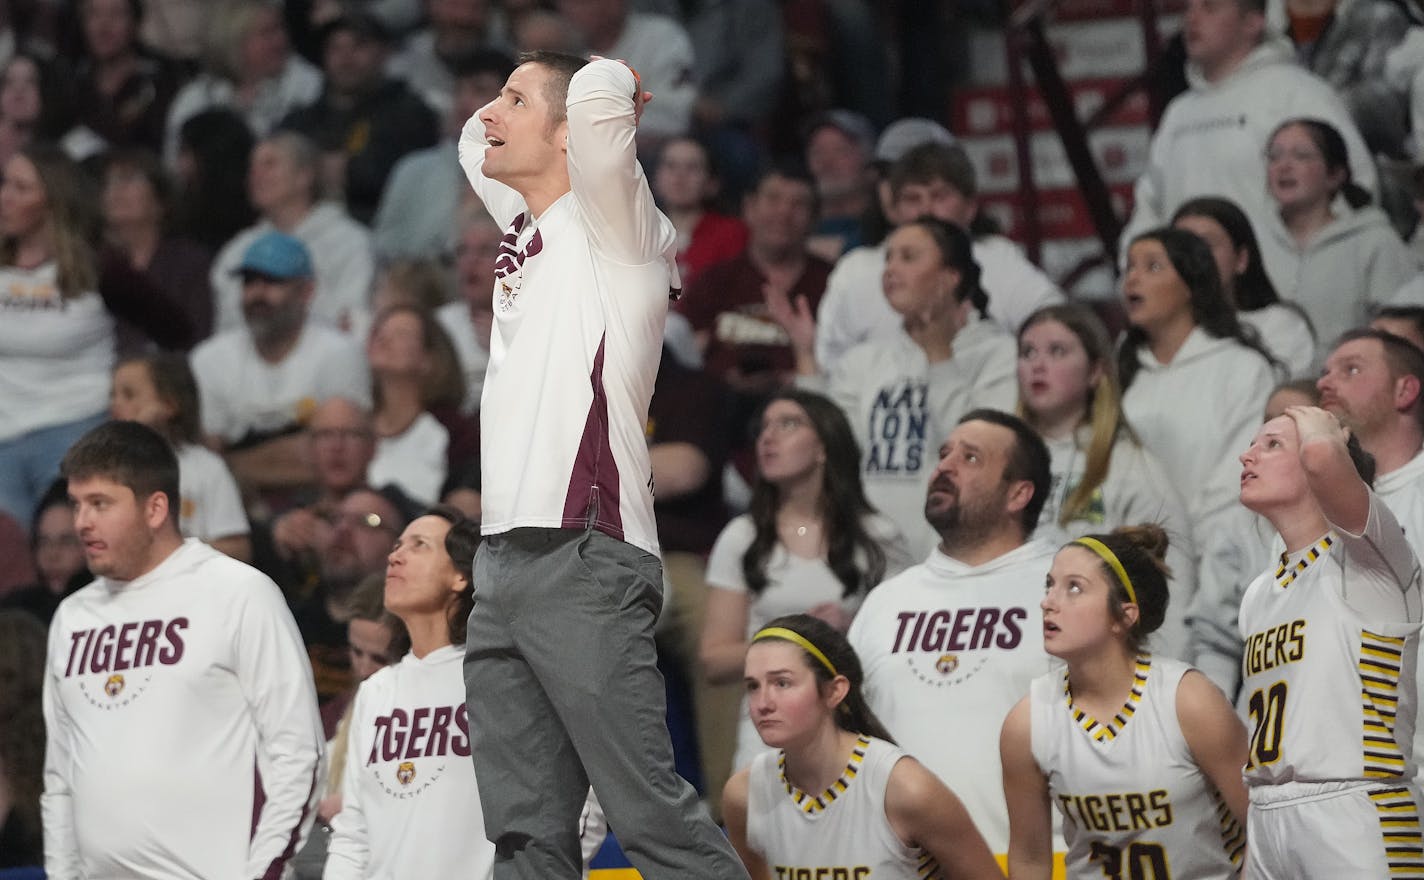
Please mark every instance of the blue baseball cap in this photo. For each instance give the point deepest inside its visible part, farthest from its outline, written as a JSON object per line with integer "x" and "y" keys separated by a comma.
{"x": 276, "y": 255}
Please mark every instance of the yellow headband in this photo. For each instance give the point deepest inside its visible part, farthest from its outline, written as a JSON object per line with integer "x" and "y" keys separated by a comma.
{"x": 781, "y": 632}
{"x": 1111, "y": 559}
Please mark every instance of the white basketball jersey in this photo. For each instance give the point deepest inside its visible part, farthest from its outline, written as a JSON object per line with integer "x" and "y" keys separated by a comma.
{"x": 1134, "y": 802}
{"x": 1328, "y": 675}
{"x": 839, "y": 834}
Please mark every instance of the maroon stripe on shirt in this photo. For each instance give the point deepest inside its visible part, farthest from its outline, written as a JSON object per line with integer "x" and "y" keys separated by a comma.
{"x": 593, "y": 497}
{"x": 274, "y": 869}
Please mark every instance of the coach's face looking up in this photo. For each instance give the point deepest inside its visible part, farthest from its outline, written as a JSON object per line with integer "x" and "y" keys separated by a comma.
{"x": 527, "y": 137}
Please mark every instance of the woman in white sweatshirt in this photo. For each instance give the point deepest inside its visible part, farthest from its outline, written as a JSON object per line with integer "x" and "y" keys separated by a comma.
{"x": 1193, "y": 381}
{"x": 1346, "y": 258}
{"x": 1283, "y": 327}
{"x": 1102, "y": 477}
{"x": 903, "y": 393}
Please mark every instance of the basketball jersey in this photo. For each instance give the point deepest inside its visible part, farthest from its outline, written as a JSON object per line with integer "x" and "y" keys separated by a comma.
{"x": 839, "y": 834}
{"x": 1134, "y": 801}
{"x": 1331, "y": 640}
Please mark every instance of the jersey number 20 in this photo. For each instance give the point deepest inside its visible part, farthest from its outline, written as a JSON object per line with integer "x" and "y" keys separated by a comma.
{"x": 1142, "y": 861}
{"x": 1268, "y": 712}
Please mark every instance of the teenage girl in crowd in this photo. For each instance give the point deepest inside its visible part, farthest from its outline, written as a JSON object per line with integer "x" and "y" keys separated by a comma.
{"x": 905, "y": 392}
{"x": 838, "y": 792}
{"x": 1282, "y": 327}
{"x": 1102, "y": 477}
{"x": 1185, "y": 354}
{"x": 811, "y": 542}
{"x": 1330, "y": 634}
{"x": 1141, "y": 754}
{"x": 58, "y": 302}
{"x": 1345, "y": 257}
{"x": 158, "y": 390}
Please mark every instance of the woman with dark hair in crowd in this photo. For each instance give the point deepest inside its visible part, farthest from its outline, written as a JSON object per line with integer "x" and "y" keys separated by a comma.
{"x": 416, "y": 389}
{"x": 905, "y": 392}
{"x": 1282, "y": 327}
{"x": 685, "y": 183}
{"x": 811, "y": 541}
{"x": 838, "y": 791}
{"x": 58, "y": 557}
{"x": 122, "y": 90}
{"x": 137, "y": 201}
{"x": 1119, "y": 718}
{"x": 36, "y": 106}
{"x": 1345, "y": 258}
{"x": 59, "y": 297}
{"x": 211, "y": 204}
{"x": 1184, "y": 354}
{"x": 1102, "y": 477}
{"x": 22, "y": 739}
{"x": 1330, "y": 685}
{"x": 374, "y": 835}
{"x": 428, "y": 587}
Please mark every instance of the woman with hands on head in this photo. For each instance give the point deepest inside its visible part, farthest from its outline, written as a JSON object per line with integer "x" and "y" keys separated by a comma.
{"x": 1141, "y": 753}
{"x": 1331, "y": 634}
{"x": 837, "y": 792}
{"x": 905, "y": 393}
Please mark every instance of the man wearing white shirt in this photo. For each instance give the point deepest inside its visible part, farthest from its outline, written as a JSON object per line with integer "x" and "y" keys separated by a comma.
{"x": 949, "y": 646}
{"x": 260, "y": 383}
{"x": 169, "y": 679}
{"x": 560, "y": 665}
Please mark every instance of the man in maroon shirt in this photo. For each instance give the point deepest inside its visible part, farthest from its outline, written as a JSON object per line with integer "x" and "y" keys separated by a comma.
{"x": 741, "y": 344}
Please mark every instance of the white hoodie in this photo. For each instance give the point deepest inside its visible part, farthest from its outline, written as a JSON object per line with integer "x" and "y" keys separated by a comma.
{"x": 1198, "y": 413}
{"x": 1212, "y": 141}
{"x": 902, "y": 408}
{"x": 1351, "y": 267}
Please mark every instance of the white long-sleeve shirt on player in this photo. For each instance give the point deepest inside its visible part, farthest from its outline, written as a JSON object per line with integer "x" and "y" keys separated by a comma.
{"x": 410, "y": 807}
{"x": 1128, "y": 788}
{"x": 854, "y": 309}
{"x": 1198, "y": 413}
{"x": 948, "y": 649}
{"x": 161, "y": 696}
{"x": 1333, "y": 633}
{"x": 1136, "y": 490}
{"x": 902, "y": 408}
{"x": 841, "y": 832}
{"x": 580, "y": 298}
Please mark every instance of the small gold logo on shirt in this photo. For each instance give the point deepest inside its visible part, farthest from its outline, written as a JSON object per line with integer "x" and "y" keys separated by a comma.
{"x": 405, "y": 773}
{"x": 114, "y": 685}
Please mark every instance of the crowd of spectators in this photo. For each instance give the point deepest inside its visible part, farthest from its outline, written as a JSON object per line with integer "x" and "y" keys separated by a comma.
{"x": 242, "y": 223}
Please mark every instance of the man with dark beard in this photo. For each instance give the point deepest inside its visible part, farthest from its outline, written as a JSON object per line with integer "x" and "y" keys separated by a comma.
{"x": 950, "y": 645}
{"x": 261, "y": 383}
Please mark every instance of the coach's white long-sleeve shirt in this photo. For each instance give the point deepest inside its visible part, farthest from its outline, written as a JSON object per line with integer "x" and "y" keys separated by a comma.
{"x": 162, "y": 696}
{"x": 580, "y": 299}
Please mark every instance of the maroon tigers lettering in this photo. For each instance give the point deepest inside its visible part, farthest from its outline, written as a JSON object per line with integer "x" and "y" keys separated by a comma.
{"x": 509, "y": 264}
{"x": 421, "y": 733}
{"x": 132, "y": 645}
{"x": 967, "y": 629}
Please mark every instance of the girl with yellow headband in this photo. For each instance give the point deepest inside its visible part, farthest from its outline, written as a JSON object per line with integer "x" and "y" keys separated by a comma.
{"x": 838, "y": 798}
{"x": 1142, "y": 754}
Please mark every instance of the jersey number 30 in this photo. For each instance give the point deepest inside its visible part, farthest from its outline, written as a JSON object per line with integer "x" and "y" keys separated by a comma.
{"x": 1142, "y": 861}
{"x": 1268, "y": 712}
